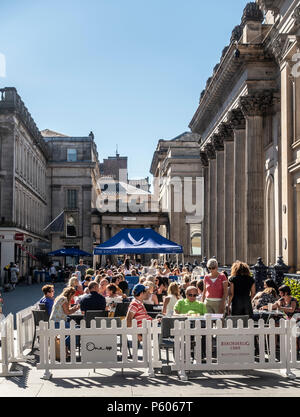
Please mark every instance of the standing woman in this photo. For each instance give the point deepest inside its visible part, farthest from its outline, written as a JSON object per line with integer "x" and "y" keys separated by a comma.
{"x": 242, "y": 290}
{"x": 215, "y": 289}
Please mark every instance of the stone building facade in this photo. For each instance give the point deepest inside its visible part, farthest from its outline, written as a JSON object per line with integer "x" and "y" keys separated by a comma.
{"x": 73, "y": 187}
{"x": 23, "y": 191}
{"x": 248, "y": 120}
{"x": 178, "y": 176}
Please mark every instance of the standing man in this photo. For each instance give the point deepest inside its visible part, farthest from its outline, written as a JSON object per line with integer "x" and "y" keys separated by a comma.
{"x": 81, "y": 267}
{"x": 52, "y": 273}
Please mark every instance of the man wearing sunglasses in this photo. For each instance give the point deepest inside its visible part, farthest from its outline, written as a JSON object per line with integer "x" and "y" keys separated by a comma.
{"x": 190, "y": 305}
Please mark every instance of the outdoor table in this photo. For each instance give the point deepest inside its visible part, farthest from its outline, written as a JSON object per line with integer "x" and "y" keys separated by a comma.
{"x": 267, "y": 315}
{"x": 77, "y": 316}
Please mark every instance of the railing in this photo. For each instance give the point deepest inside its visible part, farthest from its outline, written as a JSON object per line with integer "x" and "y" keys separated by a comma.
{"x": 99, "y": 346}
{"x": 25, "y": 331}
{"x": 7, "y": 348}
{"x": 245, "y": 348}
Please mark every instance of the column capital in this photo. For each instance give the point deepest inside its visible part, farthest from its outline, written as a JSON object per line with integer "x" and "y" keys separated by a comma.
{"x": 210, "y": 151}
{"x": 236, "y": 119}
{"x": 258, "y": 103}
{"x": 204, "y": 159}
{"x": 218, "y": 142}
{"x": 226, "y": 132}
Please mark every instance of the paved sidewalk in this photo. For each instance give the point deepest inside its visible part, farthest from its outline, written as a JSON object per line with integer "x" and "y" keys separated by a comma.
{"x": 135, "y": 383}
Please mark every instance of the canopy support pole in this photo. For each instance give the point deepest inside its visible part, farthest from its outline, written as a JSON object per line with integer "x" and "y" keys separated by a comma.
{"x": 182, "y": 259}
{"x": 177, "y": 259}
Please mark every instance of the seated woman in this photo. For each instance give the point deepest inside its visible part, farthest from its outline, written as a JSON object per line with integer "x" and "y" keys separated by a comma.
{"x": 268, "y": 284}
{"x": 62, "y": 309}
{"x": 152, "y": 298}
{"x": 161, "y": 286}
{"x": 288, "y": 304}
{"x": 171, "y": 299}
{"x": 112, "y": 297}
{"x": 166, "y": 270}
{"x": 189, "y": 305}
{"x": 74, "y": 283}
{"x": 200, "y": 288}
{"x": 102, "y": 286}
{"x": 265, "y": 297}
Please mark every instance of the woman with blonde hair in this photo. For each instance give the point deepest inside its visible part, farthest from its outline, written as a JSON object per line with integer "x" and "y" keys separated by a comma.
{"x": 62, "y": 309}
{"x": 62, "y": 305}
{"x": 152, "y": 299}
{"x": 242, "y": 290}
{"x": 74, "y": 283}
{"x": 171, "y": 299}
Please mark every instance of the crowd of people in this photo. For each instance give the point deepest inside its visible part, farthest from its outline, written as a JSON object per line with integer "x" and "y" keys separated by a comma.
{"x": 212, "y": 293}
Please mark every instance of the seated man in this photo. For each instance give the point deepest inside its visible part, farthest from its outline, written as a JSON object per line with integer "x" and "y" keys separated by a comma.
{"x": 190, "y": 305}
{"x": 48, "y": 298}
{"x": 136, "y": 310}
{"x": 93, "y": 300}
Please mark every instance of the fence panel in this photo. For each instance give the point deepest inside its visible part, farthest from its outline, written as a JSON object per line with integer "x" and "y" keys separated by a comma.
{"x": 25, "y": 331}
{"x": 7, "y": 348}
{"x": 94, "y": 348}
{"x": 228, "y": 348}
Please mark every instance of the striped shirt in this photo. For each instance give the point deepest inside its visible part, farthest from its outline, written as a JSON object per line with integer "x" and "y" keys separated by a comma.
{"x": 140, "y": 313}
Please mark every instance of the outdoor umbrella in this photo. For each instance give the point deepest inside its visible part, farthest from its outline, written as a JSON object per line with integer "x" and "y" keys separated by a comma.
{"x": 69, "y": 252}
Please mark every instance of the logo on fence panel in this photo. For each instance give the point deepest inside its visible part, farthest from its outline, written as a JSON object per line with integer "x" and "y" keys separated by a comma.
{"x": 99, "y": 349}
{"x": 235, "y": 349}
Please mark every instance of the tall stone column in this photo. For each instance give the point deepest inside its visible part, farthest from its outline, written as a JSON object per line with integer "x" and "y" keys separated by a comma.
{"x": 205, "y": 234}
{"x": 238, "y": 124}
{"x": 211, "y": 219}
{"x": 218, "y": 143}
{"x": 227, "y": 135}
{"x": 254, "y": 107}
{"x": 287, "y": 137}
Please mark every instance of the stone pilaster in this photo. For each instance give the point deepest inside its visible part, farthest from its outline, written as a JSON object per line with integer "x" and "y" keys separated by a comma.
{"x": 226, "y": 133}
{"x": 238, "y": 124}
{"x": 287, "y": 193}
{"x": 211, "y": 218}
{"x": 254, "y": 107}
{"x": 218, "y": 143}
{"x": 205, "y": 234}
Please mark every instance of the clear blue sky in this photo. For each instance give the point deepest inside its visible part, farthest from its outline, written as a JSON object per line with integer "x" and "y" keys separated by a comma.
{"x": 129, "y": 70}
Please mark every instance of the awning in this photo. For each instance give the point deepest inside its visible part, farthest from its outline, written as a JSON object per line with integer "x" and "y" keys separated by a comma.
{"x": 69, "y": 252}
{"x": 137, "y": 241}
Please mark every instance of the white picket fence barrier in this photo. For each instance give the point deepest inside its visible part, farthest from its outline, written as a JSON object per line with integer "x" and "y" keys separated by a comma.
{"x": 7, "y": 349}
{"x": 25, "y": 331}
{"x": 230, "y": 344}
{"x": 99, "y": 347}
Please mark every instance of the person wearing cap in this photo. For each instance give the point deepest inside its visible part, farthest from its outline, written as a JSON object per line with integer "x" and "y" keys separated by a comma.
{"x": 136, "y": 310}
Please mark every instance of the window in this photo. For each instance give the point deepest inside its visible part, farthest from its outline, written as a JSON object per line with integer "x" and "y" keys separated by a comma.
{"x": 72, "y": 199}
{"x": 195, "y": 230}
{"x": 71, "y": 227}
{"x": 72, "y": 155}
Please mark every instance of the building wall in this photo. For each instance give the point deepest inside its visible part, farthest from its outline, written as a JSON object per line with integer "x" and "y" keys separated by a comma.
{"x": 248, "y": 117}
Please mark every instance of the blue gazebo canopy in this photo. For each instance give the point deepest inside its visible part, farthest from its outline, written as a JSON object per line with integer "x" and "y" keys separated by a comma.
{"x": 137, "y": 241}
{"x": 69, "y": 252}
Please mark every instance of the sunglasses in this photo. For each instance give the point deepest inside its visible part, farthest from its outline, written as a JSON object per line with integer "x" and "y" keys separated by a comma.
{"x": 192, "y": 295}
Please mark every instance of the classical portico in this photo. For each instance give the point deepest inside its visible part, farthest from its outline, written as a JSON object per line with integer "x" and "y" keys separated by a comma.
{"x": 248, "y": 119}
